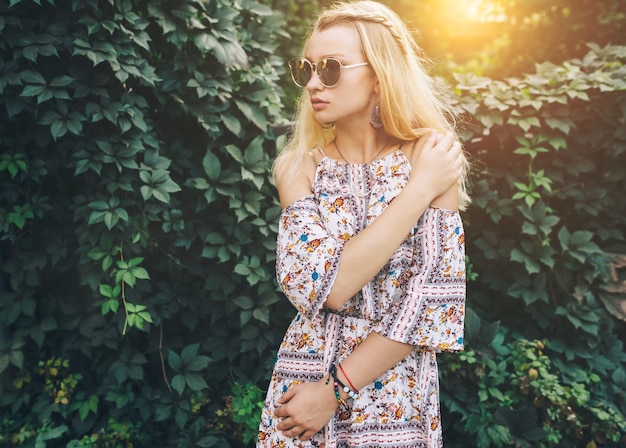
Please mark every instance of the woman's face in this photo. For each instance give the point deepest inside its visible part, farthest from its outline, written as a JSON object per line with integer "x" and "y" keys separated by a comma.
{"x": 351, "y": 100}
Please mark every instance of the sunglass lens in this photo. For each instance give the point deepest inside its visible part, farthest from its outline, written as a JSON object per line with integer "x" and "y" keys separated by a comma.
{"x": 329, "y": 70}
{"x": 300, "y": 71}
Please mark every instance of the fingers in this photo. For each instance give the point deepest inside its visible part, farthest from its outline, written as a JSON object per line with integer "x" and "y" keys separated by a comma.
{"x": 437, "y": 163}
{"x": 427, "y": 141}
{"x": 455, "y": 161}
{"x": 280, "y": 411}
{"x": 290, "y": 428}
{"x": 435, "y": 141}
{"x": 445, "y": 141}
{"x": 287, "y": 396}
{"x": 451, "y": 148}
{"x": 455, "y": 153}
{"x": 459, "y": 159}
{"x": 294, "y": 432}
{"x": 287, "y": 425}
{"x": 298, "y": 432}
{"x": 436, "y": 145}
{"x": 306, "y": 436}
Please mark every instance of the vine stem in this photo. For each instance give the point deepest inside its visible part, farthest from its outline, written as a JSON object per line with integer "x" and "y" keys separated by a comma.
{"x": 125, "y": 310}
{"x": 167, "y": 382}
{"x": 124, "y": 293}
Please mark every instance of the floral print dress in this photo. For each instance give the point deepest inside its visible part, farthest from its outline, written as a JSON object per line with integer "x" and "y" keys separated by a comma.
{"x": 417, "y": 298}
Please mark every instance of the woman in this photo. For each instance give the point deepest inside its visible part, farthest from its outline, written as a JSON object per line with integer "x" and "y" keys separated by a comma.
{"x": 370, "y": 248}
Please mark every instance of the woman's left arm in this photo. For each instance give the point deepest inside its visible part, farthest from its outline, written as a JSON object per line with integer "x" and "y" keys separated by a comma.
{"x": 307, "y": 407}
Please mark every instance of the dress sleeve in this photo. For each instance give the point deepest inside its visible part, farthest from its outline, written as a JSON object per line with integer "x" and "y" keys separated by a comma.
{"x": 307, "y": 257}
{"x": 430, "y": 314}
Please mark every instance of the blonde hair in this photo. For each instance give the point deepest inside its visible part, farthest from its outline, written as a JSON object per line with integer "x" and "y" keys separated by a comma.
{"x": 410, "y": 101}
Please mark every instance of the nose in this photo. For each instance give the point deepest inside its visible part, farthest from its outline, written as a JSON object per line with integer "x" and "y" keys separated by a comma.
{"x": 315, "y": 82}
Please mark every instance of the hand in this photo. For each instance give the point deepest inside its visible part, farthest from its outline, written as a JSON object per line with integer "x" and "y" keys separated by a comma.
{"x": 305, "y": 409}
{"x": 436, "y": 163}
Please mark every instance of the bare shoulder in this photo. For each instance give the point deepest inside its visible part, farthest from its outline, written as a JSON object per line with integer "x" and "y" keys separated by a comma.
{"x": 408, "y": 148}
{"x": 449, "y": 200}
{"x": 297, "y": 183}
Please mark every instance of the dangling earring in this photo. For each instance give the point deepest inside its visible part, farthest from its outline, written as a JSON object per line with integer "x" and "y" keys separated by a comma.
{"x": 328, "y": 125}
{"x": 375, "y": 119}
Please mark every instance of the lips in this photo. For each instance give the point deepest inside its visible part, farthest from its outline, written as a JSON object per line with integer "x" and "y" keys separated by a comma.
{"x": 318, "y": 104}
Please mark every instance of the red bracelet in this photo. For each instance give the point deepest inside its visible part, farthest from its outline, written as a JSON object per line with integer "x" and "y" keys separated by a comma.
{"x": 349, "y": 382}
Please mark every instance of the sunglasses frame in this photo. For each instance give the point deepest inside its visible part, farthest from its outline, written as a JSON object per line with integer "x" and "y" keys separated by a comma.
{"x": 314, "y": 69}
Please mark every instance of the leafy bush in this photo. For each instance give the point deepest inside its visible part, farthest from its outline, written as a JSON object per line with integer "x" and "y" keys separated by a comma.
{"x": 546, "y": 238}
{"x": 136, "y": 216}
{"x": 242, "y": 413}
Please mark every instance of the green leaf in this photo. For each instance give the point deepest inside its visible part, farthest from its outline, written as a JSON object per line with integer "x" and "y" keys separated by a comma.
{"x": 181, "y": 416}
{"x": 145, "y": 316}
{"x": 16, "y": 357}
{"x": 243, "y": 302}
{"x": 196, "y": 381}
{"x": 199, "y": 363}
{"x": 494, "y": 392}
{"x": 232, "y": 123}
{"x": 140, "y": 273}
{"x": 189, "y": 352}
{"x": 580, "y": 238}
{"x": 32, "y": 77}
{"x": 174, "y": 360}
{"x": 253, "y": 113}
{"x": 262, "y": 315}
{"x": 106, "y": 290}
{"x": 58, "y": 129}
{"x": 111, "y": 305}
{"x": 179, "y": 383}
{"x": 235, "y": 153}
{"x": 32, "y": 90}
{"x": 212, "y": 166}
{"x": 50, "y": 434}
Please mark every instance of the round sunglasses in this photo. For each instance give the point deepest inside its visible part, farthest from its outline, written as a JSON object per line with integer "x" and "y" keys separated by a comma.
{"x": 328, "y": 70}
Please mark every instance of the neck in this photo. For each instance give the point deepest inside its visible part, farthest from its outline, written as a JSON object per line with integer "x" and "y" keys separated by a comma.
{"x": 363, "y": 149}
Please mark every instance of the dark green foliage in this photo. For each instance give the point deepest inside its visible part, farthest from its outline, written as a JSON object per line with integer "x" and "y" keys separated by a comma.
{"x": 546, "y": 236}
{"x": 136, "y": 214}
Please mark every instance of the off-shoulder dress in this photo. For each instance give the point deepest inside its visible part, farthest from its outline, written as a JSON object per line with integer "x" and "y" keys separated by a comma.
{"x": 417, "y": 298}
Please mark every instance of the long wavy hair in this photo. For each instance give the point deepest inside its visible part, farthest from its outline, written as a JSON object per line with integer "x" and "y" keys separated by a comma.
{"x": 410, "y": 101}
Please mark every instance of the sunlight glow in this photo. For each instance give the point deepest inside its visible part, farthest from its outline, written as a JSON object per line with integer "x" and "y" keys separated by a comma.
{"x": 473, "y": 11}
{"x": 492, "y": 12}
{"x": 476, "y": 11}
{"x": 468, "y": 26}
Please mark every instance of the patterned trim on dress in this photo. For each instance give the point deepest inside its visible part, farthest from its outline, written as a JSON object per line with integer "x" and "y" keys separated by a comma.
{"x": 399, "y": 435}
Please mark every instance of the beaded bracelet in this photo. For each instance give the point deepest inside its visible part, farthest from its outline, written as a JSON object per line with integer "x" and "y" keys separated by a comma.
{"x": 337, "y": 383}
{"x": 336, "y": 389}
